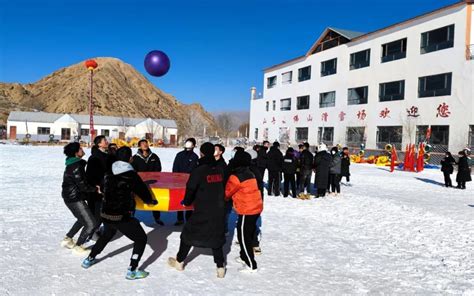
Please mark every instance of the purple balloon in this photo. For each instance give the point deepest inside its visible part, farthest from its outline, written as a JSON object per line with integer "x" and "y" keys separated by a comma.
{"x": 157, "y": 63}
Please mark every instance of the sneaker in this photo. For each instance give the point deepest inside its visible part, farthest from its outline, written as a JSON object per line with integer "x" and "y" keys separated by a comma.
{"x": 136, "y": 274}
{"x": 179, "y": 223}
{"x": 221, "y": 272}
{"x": 257, "y": 250}
{"x": 247, "y": 269}
{"x": 68, "y": 243}
{"x": 240, "y": 261}
{"x": 80, "y": 250}
{"x": 172, "y": 262}
{"x": 159, "y": 222}
{"x": 88, "y": 262}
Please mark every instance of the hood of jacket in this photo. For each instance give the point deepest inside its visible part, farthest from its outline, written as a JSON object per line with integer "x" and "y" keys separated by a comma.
{"x": 120, "y": 167}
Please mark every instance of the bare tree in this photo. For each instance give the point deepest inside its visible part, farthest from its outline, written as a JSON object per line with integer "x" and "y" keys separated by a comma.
{"x": 124, "y": 123}
{"x": 409, "y": 127}
{"x": 226, "y": 124}
{"x": 152, "y": 128}
{"x": 195, "y": 124}
{"x": 244, "y": 129}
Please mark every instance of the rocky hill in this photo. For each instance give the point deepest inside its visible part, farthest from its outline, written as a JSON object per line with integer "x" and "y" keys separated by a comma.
{"x": 119, "y": 90}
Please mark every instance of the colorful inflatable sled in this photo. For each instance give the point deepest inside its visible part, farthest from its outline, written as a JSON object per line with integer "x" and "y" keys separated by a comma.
{"x": 167, "y": 188}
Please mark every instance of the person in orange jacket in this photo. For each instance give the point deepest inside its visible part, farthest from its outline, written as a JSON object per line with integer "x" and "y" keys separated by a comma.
{"x": 243, "y": 189}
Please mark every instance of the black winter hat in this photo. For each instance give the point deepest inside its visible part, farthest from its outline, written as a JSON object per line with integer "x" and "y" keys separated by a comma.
{"x": 207, "y": 149}
{"x": 71, "y": 149}
{"x": 241, "y": 159}
{"x": 124, "y": 153}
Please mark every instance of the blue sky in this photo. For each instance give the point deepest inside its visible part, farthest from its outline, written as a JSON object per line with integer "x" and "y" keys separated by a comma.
{"x": 217, "y": 48}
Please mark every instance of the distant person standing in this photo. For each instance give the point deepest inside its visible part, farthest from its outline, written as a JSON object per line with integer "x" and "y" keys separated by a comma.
{"x": 274, "y": 165}
{"x": 447, "y": 167}
{"x": 464, "y": 171}
{"x": 322, "y": 161}
{"x": 298, "y": 167}
{"x": 306, "y": 169}
{"x": 289, "y": 171}
{"x": 345, "y": 164}
{"x": 335, "y": 172}
{"x": 185, "y": 162}
{"x": 147, "y": 161}
{"x": 262, "y": 157}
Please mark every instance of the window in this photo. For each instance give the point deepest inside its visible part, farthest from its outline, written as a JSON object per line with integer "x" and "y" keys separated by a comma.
{"x": 271, "y": 82}
{"x": 84, "y": 131}
{"x": 471, "y": 136}
{"x": 44, "y": 130}
{"x": 256, "y": 134}
{"x": 302, "y": 103}
{"x": 394, "y": 50}
{"x": 286, "y": 77}
{"x": 105, "y": 132}
{"x": 65, "y": 134}
{"x": 421, "y": 133}
{"x": 355, "y": 136}
{"x": 285, "y": 104}
{"x": 438, "y": 39}
{"x": 435, "y": 85}
{"x": 327, "y": 99}
{"x": 301, "y": 134}
{"x": 265, "y": 134}
{"x": 267, "y": 106}
{"x": 358, "y": 95}
{"x": 360, "y": 59}
{"x": 440, "y": 135}
{"x": 284, "y": 135}
{"x": 304, "y": 73}
{"x": 392, "y": 91}
{"x": 328, "y": 67}
{"x": 389, "y": 135}
{"x": 326, "y": 135}
{"x": 274, "y": 103}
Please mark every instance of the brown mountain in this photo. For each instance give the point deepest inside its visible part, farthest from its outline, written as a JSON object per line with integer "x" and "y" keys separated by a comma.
{"x": 119, "y": 90}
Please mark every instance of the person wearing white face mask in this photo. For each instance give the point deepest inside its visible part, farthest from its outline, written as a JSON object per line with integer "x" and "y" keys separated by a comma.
{"x": 185, "y": 162}
{"x": 335, "y": 172}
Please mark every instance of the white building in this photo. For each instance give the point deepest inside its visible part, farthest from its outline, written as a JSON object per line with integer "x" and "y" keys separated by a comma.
{"x": 382, "y": 87}
{"x": 43, "y": 126}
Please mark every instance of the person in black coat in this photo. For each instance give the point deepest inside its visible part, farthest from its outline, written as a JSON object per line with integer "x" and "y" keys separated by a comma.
{"x": 274, "y": 166}
{"x": 205, "y": 228}
{"x": 289, "y": 171}
{"x": 306, "y": 169}
{"x": 447, "y": 167}
{"x": 345, "y": 164}
{"x": 262, "y": 157}
{"x": 120, "y": 185}
{"x": 185, "y": 162}
{"x": 147, "y": 161}
{"x": 254, "y": 169}
{"x": 75, "y": 190}
{"x": 322, "y": 161}
{"x": 464, "y": 171}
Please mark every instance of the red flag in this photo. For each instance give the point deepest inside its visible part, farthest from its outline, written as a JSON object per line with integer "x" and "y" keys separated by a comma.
{"x": 420, "y": 161}
{"x": 405, "y": 159}
{"x": 412, "y": 158}
{"x": 393, "y": 158}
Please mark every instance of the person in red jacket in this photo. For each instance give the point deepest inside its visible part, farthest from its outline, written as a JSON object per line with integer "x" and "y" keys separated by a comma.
{"x": 243, "y": 189}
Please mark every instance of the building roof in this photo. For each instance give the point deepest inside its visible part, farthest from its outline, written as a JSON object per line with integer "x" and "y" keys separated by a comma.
{"x": 355, "y": 36}
{"x": 84, "y": 119}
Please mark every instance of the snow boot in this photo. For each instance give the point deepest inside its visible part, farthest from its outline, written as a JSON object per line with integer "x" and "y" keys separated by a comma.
{"x": 80, "y": 250}
{"x": 172, "y": 262}
{"x": 88, "y": 262}
{"x": 257, "y": 250}
{"x": 136, "y": 274}
{"x": 220, "y": 272}
{"x": 68, "y": 243}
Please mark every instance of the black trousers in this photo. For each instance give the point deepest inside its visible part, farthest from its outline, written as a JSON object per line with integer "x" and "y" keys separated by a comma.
{"x": 246, "y": 226}
{"x": 157, "y": 215}
{"x": 274, "y": 180}
{"x": 335, "y": 182}
{"x": 184, "y": 249}
{"x": 462, "y": 185}
{"x": 262, "y": 171}
{"x": 447, "y": 179}
{"x": 289, "y": 180}
{"x": 181, "y": 214}
{"x": 85, "y": 220}
{"x": 305, "y": 182}
{"x": 348, "y": 178}
{"x": 132, "y": 229}
{"x": 95, "y": 204}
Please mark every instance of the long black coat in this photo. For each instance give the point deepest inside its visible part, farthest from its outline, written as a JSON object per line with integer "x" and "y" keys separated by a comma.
{"x": 258, "y": 175}
{"x": 289, "y": 164}
{"x": 75, "y": 186}
{"x": 205, "y": 190}
{"x": 345, "y": 164}
{"x": 151, "y": 163}
{"x": 322, "y": 160}
{"x": 274, "y": 160}
{"x": 96, "y": 167}
{"x": 262, "y": 158}
{"x": 447, "y": 164}
{"x": 306, "y": 161}
{"x": 464, "y": 171}
{"x": 185, "y": 162}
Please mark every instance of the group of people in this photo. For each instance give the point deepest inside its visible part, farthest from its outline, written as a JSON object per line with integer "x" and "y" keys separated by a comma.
{"x": 297, "y": 168}
{"x": 464, "y": 171}
{"x": 101, "y": 192}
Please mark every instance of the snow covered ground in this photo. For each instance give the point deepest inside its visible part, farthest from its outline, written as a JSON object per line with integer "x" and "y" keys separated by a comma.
{"x": 400, "y": 233}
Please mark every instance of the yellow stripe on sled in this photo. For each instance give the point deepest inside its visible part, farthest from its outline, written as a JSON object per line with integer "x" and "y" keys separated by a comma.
{"x": 161, "y": 195}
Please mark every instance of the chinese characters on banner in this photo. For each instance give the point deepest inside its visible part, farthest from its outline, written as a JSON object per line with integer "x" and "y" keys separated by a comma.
{"x": 296, "y": 118}
{"x": 413, "y": 112}
{"x": 443, "y": 110}
{"x": 264, "y": 121}
{"x": 384, "y": 113}
{"x": 342, "y": 115}
{"x": 309, "y": 118}
{"x": 361, "y": 115}
{"x": 324, "y": 116}
{"x": 273, "y": 120}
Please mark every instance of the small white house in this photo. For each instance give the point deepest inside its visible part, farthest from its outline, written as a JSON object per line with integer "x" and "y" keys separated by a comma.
{"x": 41, "y": 127}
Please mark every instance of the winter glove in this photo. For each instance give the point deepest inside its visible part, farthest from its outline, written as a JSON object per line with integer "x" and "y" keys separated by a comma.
{"x": 153, "y": 202}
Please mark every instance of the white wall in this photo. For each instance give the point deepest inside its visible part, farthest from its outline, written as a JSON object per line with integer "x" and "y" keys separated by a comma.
{"x": 409, "y": 69}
